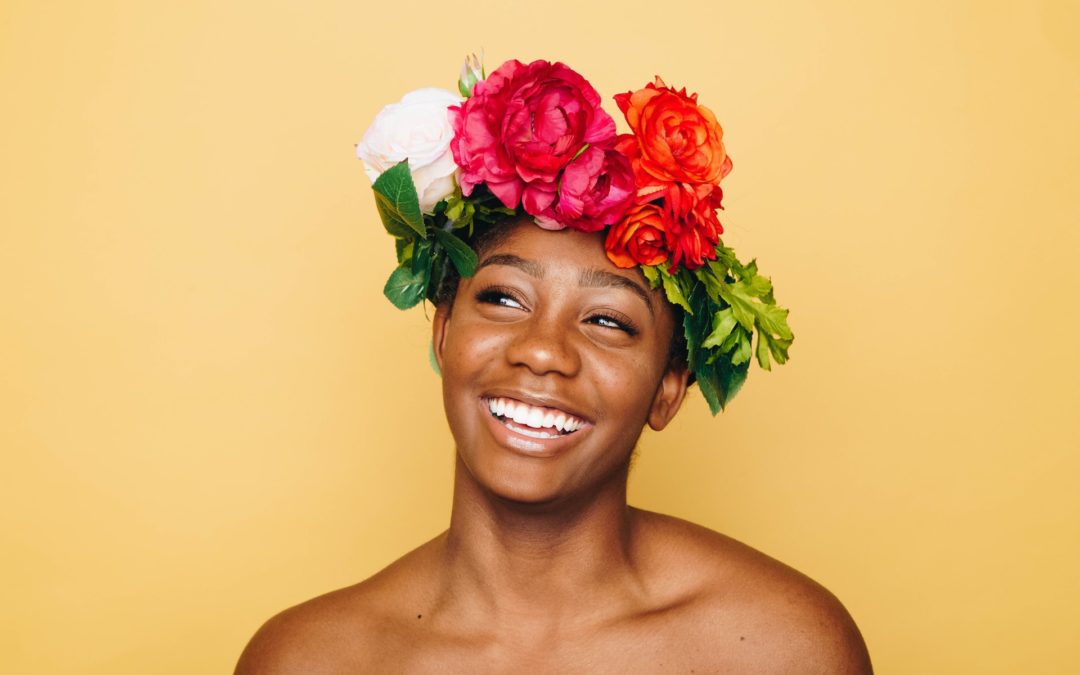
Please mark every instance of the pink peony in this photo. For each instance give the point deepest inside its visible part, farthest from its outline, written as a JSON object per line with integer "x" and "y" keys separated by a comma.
{"x": 595, "y": 190}
{"x": 523, "y": 125}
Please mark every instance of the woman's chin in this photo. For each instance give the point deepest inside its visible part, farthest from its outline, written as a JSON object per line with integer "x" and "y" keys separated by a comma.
{"x": 534, "y": 484}
{"x": 522, "y": 485}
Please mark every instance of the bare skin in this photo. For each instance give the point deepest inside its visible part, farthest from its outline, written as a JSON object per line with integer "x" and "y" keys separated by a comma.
{"x": 544, "y": 568}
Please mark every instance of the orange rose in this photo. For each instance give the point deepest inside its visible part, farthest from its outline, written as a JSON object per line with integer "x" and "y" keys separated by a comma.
{"x": 639, "y": 238}
{"x": 678, "y": 140}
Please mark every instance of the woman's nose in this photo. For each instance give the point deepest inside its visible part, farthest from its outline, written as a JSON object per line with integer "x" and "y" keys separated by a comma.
{"x": 545, "y": 345}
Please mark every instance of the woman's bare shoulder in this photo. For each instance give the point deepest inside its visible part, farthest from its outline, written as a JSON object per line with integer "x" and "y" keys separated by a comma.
{"x": 346, "y": 630}
{"x": 757, "y": 608}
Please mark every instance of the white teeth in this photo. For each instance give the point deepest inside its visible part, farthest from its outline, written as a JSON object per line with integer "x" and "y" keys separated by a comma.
{"x": 524, "y": 414}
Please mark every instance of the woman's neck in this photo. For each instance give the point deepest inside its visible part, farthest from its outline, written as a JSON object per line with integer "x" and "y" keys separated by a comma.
{"x": 519, "y": 560}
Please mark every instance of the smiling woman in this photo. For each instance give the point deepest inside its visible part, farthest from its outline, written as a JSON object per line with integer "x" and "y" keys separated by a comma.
{"x": 554, "y": 356}
{"x": 548, "y": 329}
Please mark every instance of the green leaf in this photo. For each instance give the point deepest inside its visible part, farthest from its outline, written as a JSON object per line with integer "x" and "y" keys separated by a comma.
{"x": 392, "y": 223}
{"x": 397, "y": 201}
{"x": 652, "y": 275}
{"x": 732, "y": 339}
{"x": 773, "y": 320}
{"x": 719, "y": 269}
{"x": 421, "y": 259}
{"x": 404, "y": 288}
{"x": 695, "y": 328}
{"x": 731, "y": 379}
{"x": 757, "y": 287}
{"x": 723, "y": 322}
{"x": 762, "y": 352}
{"x": 710, "y": 389}
{"x": 726, "y": 262}
{"x": 404, "y": 250}
{"x": 769, "y": 317}
{"x": 720, "y": 383}
{"x": 454, "y": 209}
{"x": 741, "y": 305}
{"x": 674, "y": 292}
{"x": 742, "y": 350}
{"x": 433, "y": 276}
{"x": 779, "y": 348}
{"x": 463, "y": 257}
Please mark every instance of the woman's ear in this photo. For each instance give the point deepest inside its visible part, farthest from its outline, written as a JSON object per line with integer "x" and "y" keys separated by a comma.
{"x": 669, "y": 395}
{"x": 438, "y": 332}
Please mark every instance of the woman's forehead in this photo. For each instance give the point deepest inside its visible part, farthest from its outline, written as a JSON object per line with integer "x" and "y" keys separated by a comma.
{"x": 567, "y": 256}
{"x": 544, "y": 250}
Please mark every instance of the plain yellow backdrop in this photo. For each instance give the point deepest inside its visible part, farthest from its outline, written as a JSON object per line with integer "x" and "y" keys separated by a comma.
{"x": 209, "y": 412}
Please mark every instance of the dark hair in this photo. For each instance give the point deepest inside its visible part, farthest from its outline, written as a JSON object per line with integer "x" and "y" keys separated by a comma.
{"x": 484, "y": 238}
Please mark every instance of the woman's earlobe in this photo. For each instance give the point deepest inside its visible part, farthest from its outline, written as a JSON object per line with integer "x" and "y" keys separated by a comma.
{"x": 669, "y": 396}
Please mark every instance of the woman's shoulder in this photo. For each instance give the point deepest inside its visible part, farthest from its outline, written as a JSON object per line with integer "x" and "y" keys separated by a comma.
{"x": 756, "y": 606}
{"x": 342, "y": 631}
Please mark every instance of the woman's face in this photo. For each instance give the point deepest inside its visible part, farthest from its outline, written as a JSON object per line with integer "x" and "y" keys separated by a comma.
{"x": 553, "y": 360}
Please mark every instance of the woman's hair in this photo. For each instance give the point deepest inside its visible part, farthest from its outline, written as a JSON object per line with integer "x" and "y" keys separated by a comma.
{"x": 484, "y": 238}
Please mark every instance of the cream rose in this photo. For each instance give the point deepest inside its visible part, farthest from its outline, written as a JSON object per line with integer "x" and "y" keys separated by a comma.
{"x": 418, "y": 129}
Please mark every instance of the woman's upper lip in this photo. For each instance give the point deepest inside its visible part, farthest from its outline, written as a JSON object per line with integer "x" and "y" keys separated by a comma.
{"x": 539, "y": 400}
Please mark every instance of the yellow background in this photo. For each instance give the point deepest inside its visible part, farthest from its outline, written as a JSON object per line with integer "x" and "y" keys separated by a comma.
{"x": 209, "y": 412}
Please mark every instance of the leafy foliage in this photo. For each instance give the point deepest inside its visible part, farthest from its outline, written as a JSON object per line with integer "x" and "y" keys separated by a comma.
{"x": 426, "y": 243}
{"x": 726, "y": 303}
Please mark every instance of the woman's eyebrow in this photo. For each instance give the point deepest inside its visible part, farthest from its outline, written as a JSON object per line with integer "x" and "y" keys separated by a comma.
{"x": 595, "y": 278}
{"x": 530, "y": 267}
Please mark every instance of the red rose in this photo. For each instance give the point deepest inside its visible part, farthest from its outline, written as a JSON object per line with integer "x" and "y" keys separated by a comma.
{"x": 640, "y": 238}
{"x": 695, "y": 230}
{"x": 523, "y": 125}
{"x": 678, "y": 140}
{"x": 595, "y": 190}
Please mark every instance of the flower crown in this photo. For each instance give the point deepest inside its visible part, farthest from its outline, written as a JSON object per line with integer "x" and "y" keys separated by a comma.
{"x": 533, "y": 139}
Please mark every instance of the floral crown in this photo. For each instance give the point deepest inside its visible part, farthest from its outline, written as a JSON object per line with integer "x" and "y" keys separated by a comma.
{"x": 533, "y": 139}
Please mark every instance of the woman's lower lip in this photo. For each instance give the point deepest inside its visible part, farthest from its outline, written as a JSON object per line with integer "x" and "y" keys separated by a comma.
{"x": 533, "y": 447}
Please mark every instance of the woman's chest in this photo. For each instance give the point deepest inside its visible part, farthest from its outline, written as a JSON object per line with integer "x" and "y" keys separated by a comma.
{"x": 632, "y": 647}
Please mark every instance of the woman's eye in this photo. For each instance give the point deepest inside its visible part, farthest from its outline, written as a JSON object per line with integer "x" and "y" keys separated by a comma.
{"x": 612, "y": 322}
{"x": 497, "y": 297}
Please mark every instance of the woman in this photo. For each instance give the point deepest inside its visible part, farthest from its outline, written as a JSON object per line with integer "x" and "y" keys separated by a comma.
{"x": 553, "y": 358}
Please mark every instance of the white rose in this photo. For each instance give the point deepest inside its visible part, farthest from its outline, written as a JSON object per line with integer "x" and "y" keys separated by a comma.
{"x": 418, "y": 129}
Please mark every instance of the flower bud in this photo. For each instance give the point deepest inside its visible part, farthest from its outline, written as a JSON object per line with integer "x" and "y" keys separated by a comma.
{"x": 472, "y": 71}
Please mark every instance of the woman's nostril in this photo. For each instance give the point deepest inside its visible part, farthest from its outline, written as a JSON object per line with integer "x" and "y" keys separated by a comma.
{"x": 545, "y": 349}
